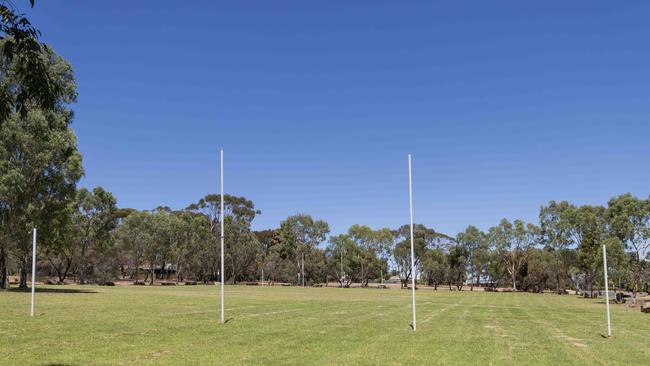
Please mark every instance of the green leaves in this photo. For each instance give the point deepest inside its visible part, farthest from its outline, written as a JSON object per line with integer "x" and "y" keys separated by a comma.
{"x": 27, "y": 80}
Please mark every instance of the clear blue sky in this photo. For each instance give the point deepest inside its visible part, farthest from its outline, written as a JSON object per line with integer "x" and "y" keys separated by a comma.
{"x": 504, "y": 105}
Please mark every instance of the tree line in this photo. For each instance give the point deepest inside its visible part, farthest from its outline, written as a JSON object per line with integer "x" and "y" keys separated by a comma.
{"x": 94, "y": 240}
{"x": 83, "y": 235}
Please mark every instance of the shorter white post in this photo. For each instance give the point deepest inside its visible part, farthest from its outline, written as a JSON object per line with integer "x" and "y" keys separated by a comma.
{"x": 609, "y": 321}
{"x": 33, "y": 269}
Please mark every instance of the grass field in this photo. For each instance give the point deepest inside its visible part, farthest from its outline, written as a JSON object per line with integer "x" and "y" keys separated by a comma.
{"x": 322, "y": 326}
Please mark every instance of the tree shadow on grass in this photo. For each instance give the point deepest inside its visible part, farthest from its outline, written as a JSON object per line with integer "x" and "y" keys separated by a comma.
{"x": 55, "y": 290}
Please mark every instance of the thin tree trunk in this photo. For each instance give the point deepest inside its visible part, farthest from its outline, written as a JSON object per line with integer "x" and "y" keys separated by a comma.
{"x": 23, "y": 274}
{"x": 4, "y": 270}
{"x": 303, "y": 269}
{"x": 82, "y": 271}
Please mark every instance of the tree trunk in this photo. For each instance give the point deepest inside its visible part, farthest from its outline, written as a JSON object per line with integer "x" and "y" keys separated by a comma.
{"x": 23, "y": 274}
{"x": 82, "y": 271}
{"x": 4, "y": 270}
{"x": 303, "y": 269}
{"x": 64, "y": 273}
{"x": 471, "y": 283}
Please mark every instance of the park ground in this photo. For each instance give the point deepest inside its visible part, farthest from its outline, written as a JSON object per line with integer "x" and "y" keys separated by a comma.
{"x": 126, "y": 325}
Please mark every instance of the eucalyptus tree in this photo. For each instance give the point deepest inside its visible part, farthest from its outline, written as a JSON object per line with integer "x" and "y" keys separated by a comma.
{"x": 371, "y": 244}
{"x": 539, "y": 269}
{"x": 192, "y": 245}
{"x": 268, "y": 256}
{"x": 511, "y": 242}
{"x": 39, "y": 167}
{"x": 434, "y": 267}
{"x": 300, "y": 233}
{"x": 629, "y": 220}
{"x": 239, "y": 212}
{"x": 555, "y": 233}
{"x": 93, "y": 220}
{"x": 162, "y": 241}
{"x": 134, "y": 237}
{"x": 423, "y": 239}
{"x": 61, "y": 248}
{"x": 458, "y": 260}
{"x": 341, "y": 252}
{"x": 27, "y": 81}
{"x": 475, "y": 242}
{"x": 242, "y": 252}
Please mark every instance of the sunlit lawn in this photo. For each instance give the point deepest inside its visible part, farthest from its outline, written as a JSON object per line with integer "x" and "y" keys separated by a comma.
{"x": 324, "y": 326}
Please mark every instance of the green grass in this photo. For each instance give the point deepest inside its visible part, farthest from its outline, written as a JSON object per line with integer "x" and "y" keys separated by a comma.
{"x": 319, "y": 326}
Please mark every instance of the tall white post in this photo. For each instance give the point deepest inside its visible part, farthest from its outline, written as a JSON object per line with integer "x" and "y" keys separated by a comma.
{"x": 33, "y": 269}
{"x": 413, "y": 274}
{"x": 609, "y": 321}
{"x": 223, "y": 283}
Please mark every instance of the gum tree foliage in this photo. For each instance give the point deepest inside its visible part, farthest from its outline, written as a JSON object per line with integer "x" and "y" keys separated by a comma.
{"x": 239, "y": 213}
{"x": 476, "y": 245}
{"x": 359, "y": 253}
{"x": 423, "y": 238}
{"x": 93, "y": 220}
{"x": 434, "y": 267}
{"x": 341, "y": 252}
{"x": 39, "y": 168}
{"x": 300, "y": 235}
{"x": 555, "y": 233}
{"x": 511, "y": 242}
{"x": 26, "y": 79}
{"x": 629, "y": 221}
{"x": 370, "y": 245}
{"x": 458, "y": 259}
{"x": 133, "y": 238}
